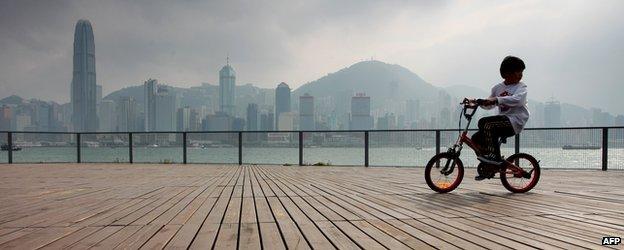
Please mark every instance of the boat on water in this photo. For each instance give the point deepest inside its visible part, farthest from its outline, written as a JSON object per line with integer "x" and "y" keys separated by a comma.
{"x": 568, "y": 147}
{"x": 6, "y": 148}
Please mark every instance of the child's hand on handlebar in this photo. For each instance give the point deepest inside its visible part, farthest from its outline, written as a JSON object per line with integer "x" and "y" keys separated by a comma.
{"x": 480, "y": 102}
{"x": 489, "y": 101}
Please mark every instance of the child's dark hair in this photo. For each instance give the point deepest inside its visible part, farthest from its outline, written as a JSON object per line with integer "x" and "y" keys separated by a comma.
{"x": 511, "y": 64}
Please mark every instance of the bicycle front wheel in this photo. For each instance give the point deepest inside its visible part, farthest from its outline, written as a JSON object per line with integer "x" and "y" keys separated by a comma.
{"x": 444, "y": 172}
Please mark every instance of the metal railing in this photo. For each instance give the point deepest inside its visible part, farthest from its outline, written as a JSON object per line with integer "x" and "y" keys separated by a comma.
{"x": 603, "y": 146}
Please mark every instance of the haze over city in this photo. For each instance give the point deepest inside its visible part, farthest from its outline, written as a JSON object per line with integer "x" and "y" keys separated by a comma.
{"x": 571, "y": 47}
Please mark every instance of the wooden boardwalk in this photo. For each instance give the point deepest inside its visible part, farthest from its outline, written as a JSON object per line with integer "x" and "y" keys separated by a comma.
{"x": 109, "y": 206}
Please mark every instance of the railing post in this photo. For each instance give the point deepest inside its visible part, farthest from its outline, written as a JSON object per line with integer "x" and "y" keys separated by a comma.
{"x": 300, "y": 148}
{"x": 437, "y": 135}
{"x": 605, "y": 148}
{"x": 184, "y": 147}
{"x": 366, "y": 148}
{"x": 240, "y": 148}
{"x": 10, "y": 144}
{"x": 130, "y": 159}
{"x": 77, "y": 147}
{"x": 517, "y": 144}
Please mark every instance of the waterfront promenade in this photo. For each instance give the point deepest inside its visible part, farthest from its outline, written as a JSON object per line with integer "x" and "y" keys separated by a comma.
{"x": 228, "y": 206}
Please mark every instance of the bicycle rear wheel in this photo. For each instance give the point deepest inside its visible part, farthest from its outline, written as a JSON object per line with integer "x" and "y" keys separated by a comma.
{"x": 515, "y": 181}
{"x": 444, "y": 172}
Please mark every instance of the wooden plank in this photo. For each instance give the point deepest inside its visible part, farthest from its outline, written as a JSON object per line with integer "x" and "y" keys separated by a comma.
{"x": 291, "y": 233}
{"x": 116, "y": 238}
{"x": 271, "y": 237}
{"x": 38, "y": 238}
{"x": 249, "y": 236}
{"x": 139, "y": 238}
{"x": 70, "y": 239}
{"x": 162, "y": 237}
{"x": 96, "y": 237}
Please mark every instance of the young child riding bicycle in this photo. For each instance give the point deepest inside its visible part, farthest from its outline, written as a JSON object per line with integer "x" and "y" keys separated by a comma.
{"x": 510, "y": 96}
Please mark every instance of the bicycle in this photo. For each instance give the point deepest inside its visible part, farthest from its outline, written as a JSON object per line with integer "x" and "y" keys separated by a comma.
{"x": 519, "y": 172}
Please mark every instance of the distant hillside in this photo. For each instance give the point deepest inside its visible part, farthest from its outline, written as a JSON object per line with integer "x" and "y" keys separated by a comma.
{"x": 11, "y": 100}
{"x": 383, "y": 82}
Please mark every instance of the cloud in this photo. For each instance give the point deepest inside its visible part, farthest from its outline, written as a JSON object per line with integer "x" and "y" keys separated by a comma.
{"x": 571, "y": 47}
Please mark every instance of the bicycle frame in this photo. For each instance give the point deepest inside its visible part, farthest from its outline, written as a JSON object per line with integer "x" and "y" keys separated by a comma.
{"x": 468, "y": 112}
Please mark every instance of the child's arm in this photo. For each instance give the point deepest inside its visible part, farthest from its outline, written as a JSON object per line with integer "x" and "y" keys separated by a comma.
{"x": 491, "y": 106}
{"x": 517, "y": 99}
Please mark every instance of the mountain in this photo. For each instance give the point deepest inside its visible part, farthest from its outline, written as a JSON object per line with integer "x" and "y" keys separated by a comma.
{"x": 14, "y": 100}
{"x": 386, "y": 84}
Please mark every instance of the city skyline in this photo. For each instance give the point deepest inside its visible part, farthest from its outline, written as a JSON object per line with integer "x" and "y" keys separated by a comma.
{"x": 568, "y": 53}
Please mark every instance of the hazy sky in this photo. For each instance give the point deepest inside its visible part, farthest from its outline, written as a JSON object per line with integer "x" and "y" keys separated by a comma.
{"x": 573, "y": 49}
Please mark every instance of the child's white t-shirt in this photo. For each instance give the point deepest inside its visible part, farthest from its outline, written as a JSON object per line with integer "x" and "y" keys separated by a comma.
{"x": 512, "y": 102}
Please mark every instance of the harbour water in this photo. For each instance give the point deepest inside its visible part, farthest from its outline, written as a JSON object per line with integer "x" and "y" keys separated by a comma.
{"x": 378, "y": 156}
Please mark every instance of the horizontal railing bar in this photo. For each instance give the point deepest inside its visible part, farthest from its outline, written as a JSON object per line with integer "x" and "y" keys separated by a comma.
{"x": 297, "y": 131}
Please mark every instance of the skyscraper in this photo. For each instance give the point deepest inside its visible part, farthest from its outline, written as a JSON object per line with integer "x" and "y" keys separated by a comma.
{"x": 184, "y": 119}
{"x": 149, "y": 107}
{"x": 126, "y": 114}
{"x": 227, "y": 83}
{"x": 83, "y": 88}
{"x": 6, "y": 117}
{"x": 252, "y": 117}
{"x": 306, "y": 112}
{"x": 166, "y": 107}
{"x": 282, "y": 101}
{"x": 108, "y": 117}
{"x": 267, "y": 121}
{"x": 360, "y": 112}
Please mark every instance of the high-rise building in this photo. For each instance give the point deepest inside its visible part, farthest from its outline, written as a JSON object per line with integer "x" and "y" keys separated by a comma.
{"x": 195, "y": 120}
{"x": 149, "y": 106}
{"x": 166, "y": 107}
{"x": 6, "y": 117}
{"x": 238, "y": 124}
{"x": 267, "y": 121}
{"x": 227, "y": 85}
{"x": 286, "y": 121}
{"x": 282, "y": 102}
{"x": 108, "y": 116}
{"x": 360, "y": 113}
{"x": 22, "y": 121}
{"x": 552, "y": 114}
{"x": 83, "y": 87}
{"x": 42, "y": 116}
{"x": 252, "y": 117}
{"x": 218, "y": 122}
{"x": 306, "y": 112}
{"x": 126, "y": 114}
{"x": 184, "y": 119}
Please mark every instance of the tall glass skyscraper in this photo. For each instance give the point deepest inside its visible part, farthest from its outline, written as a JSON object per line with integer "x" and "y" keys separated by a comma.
{"x": 227, "y": 82}
{"x": 83, "y": 87}
{"x": 282, "y": 101}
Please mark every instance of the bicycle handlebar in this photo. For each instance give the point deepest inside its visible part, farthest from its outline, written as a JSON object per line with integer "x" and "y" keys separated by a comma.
{"x": 478, "y": 102}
